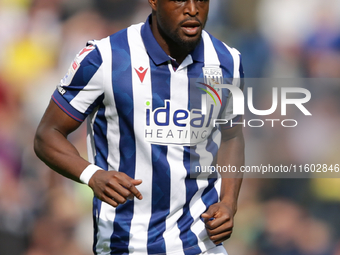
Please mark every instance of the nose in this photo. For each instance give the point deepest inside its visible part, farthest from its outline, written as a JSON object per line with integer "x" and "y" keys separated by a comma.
{"x": 191, "y": 7}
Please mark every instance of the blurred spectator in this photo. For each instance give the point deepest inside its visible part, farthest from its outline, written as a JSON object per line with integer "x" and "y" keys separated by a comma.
{"x": 54, "y": 231}
{"x": 289, "y": 230}
{"x": 322, "y": 47}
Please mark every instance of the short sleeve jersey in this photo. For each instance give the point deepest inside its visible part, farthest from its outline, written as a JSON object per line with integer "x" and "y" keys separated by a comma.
{"x": 145, "y": 119}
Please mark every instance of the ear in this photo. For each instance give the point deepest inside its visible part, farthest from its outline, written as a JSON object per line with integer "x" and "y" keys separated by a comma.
{"x": 153, "y": 4}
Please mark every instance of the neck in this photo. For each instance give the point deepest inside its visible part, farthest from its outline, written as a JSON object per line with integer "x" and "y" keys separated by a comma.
{"x": 167, "y": 44}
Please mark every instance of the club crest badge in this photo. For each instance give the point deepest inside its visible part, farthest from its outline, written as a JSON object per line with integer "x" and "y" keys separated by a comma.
{"x": 212, "y": 76}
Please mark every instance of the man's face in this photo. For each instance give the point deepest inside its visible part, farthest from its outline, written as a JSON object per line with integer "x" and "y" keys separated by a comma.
{"x": 182, "y": 21}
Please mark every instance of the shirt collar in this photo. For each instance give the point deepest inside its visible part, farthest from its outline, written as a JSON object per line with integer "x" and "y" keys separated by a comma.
{"x": 156, "y": 53}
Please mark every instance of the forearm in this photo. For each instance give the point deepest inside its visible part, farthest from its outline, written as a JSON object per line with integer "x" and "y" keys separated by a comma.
{"x": 231, "y": 153}
{"x": 59, "y": 154}
{"x": 219, "y": 218}
{"x": 53, "y": 148}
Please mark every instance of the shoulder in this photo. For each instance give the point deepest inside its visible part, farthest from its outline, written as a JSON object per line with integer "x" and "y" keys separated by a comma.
{"x": 228, "y": 58}
{"x": 103, "y": 48}
{"x": 119, "y": 41}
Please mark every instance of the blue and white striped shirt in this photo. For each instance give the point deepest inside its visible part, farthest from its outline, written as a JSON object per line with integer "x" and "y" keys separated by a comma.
{"x": 144, "y": 120}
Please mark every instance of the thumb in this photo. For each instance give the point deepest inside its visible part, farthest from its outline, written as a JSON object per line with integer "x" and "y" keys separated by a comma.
{"x": 136, "y": 182}
{"x": 210, "y": 212}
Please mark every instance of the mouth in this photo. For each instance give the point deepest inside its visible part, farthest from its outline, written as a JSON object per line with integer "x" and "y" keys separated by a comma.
{"x": 191, "y": 27}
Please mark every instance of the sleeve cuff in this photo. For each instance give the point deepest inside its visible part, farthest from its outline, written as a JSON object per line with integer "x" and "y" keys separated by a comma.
{"x": 67, "y": 107}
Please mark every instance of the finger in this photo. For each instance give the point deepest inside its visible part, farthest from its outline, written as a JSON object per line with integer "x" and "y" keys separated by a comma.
{"x": 136, "y": 182}
{"x": 207, "y": 219}
{"x": 217, "y": 239}
{"x": 228, "y": 226}
{"x": 109, "y": 200}
{"x": 119, "y": 184}
{"x": 206, "y": 216}
{"x": 114, "y": 189}
{"x": 115, "y": 194}
{"x": 129, "y": 185}
{"x": 118, "y": 192}
{"x": 218, "y": 221}
{"x": 209, "y": 214}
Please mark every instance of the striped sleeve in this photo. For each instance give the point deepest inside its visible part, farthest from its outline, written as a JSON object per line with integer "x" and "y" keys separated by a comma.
{"x": 238, "y": 80}
{"x": 81, "y": 89}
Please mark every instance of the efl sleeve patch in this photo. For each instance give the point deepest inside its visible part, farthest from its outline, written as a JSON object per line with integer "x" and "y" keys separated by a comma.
{"x": 82, "y": 86}
{"x": 75, "y": 65}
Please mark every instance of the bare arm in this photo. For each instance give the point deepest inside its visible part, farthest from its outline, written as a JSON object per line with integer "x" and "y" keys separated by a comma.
{"x": 231, "y": 153}
{"x": 53, "y": 148}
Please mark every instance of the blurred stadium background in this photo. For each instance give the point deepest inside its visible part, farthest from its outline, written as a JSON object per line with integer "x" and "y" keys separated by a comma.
{"x": 42, "y": 213}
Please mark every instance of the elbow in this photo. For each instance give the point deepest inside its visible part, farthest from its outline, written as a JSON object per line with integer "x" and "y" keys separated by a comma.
{"x": 38, "y": 144}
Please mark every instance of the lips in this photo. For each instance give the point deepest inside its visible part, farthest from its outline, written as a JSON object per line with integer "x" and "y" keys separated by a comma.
{"x": 191, "y": 27}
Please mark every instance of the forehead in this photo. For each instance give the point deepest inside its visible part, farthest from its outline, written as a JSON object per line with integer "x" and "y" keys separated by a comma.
{"x": 172, "y": 6}
{"x": 206, "y": 2}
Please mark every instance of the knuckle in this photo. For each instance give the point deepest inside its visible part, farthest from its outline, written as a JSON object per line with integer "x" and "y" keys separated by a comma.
{"x": 101, "y": 197}
{"x": 115, "y": 174}
{"x": 111, "y": 182}
{"x": 107, "y": 190}
{"x": 124, "y": 192}
{"x": 129, "y": 185}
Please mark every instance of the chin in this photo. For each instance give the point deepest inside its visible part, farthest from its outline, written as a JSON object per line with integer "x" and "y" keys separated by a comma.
{"x": 190, "y": 44}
